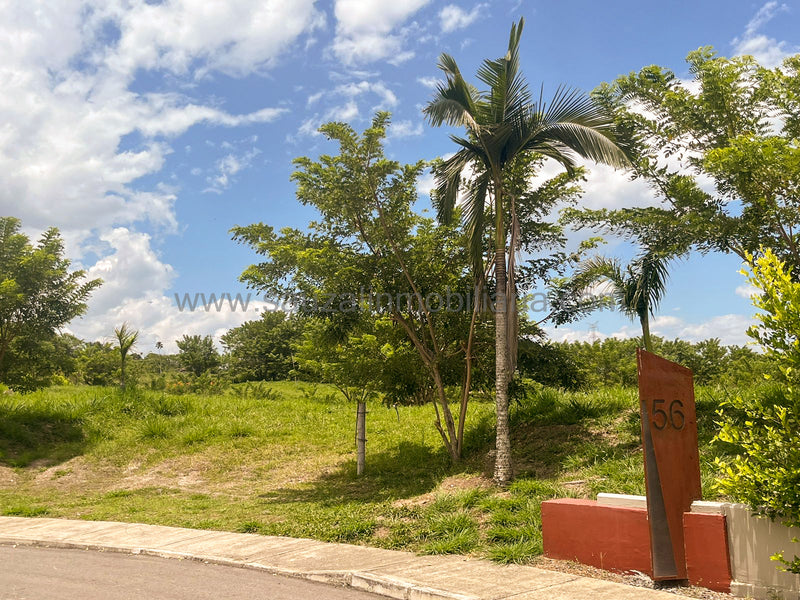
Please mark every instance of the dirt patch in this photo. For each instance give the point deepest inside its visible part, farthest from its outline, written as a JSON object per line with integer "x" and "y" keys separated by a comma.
{"x": 186, "y": 473}
{"x": 8, "y": 478}
{"x": 450, "y": 485}
{"x": 74, "y": 473}
{"x": 464, "y": 483}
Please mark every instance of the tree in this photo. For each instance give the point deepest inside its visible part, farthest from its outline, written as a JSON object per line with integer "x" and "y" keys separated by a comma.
{"x": 262, "y": 349}
{"x": 503, "y": 124}
{"x": 736, "y": 125}
{"x": 197, "y": 354}
{"x": 637, "y": 289}
{"x": 370, "y": 255}
{"x": 98, "y": 363}
{"x": 351, "y": 365}
{"x": 38, "y": 296}
{"x": 126, "y": 340}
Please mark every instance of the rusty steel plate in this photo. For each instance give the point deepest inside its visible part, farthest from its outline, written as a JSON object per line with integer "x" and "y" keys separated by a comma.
{"x": 671, "y": 458}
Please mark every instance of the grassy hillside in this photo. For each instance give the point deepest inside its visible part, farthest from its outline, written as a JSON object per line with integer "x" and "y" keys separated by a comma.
{"x": 278, "y": 459}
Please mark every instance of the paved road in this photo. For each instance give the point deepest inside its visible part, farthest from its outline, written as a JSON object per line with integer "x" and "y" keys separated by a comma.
{"x": 57, "y": 574}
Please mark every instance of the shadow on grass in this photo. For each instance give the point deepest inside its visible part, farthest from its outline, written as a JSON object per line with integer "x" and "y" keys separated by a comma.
{"x": 553, "y": 433}
{"x": 406, "y": 470}
{"x": 31, "y": 433}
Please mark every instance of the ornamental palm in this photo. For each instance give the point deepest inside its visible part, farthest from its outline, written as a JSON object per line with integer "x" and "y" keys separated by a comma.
{"x": 126, "y": 339}
{"x": 503, "y": 123}
{"x": 637, "y": 289}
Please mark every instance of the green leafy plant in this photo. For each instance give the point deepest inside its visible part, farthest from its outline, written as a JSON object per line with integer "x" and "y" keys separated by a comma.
{"x": 761, "y": 431}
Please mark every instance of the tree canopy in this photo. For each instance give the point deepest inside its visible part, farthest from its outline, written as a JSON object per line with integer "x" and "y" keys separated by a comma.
{"x": 39, "y": 294}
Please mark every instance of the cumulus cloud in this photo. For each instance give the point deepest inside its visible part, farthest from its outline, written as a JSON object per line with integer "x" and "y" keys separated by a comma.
{"x": 747, "y": 291}
{"x": 453, "y": 17}
{"x": 227, "y": 167}
{"x": 133, "y": 291}
{"x": 429, "y": 82}
{"x": 77, "y": 136}
{"x": 766, "y": 50}
{"x": 405, "y": 129}
{"x": 730, "y": 329}
{"x": 236, "y": 37}
{"x": 366, "y": 30}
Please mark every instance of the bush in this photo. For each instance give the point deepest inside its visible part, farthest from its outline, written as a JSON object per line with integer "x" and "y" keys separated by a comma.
{"x": 761, "y": 431}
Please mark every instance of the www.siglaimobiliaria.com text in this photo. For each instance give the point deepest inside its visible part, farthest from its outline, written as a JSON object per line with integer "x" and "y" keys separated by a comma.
{"x": 447, "y": 301}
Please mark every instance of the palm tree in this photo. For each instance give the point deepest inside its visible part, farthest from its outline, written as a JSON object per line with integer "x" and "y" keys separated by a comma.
{"x": 126, "y": 339}
{"x": 637, "y": 289}
{"x": 502, "y": 124}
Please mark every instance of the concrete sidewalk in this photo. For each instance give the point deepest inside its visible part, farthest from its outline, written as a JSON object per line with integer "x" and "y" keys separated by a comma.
{"x": 391, "y": 573}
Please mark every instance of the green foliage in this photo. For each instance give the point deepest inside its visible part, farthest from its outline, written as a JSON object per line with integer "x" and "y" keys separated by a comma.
{"x": 761, "y": 431}
{"x": 364, "y": 270}
{"x": 613, "y": 361}
{"x": 636, "y": 290}
{"x": 736, "y": 125}
{"x": 197, "y": 354}
{"x": 549, "y": 364}
{"x": 261, "y": 350}
{"x": 38, "y": 295}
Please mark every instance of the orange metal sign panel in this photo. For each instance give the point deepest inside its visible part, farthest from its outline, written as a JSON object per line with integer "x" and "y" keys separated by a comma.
{"x": 671, "y": 458}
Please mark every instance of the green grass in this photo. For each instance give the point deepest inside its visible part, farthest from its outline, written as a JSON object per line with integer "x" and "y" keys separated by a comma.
{"x": 278, "y": 459}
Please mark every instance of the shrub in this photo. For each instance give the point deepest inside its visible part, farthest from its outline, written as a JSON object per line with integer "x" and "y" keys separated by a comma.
{"x": 761, "y": 431}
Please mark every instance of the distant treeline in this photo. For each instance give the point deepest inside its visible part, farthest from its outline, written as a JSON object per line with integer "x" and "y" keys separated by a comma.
{"x": 612, "y": 361}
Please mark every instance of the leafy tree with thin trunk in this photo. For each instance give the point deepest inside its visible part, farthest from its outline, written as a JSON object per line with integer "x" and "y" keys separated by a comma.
{"x": 637, "y": 289}
{"x": 504, "y": 124}
{"x": 734, "y": 125}
{"x": 197, "y": 354}
{"x": 38, "y": 295}
{"x": 371, "y": 256}
{"x": 126, "y": 339}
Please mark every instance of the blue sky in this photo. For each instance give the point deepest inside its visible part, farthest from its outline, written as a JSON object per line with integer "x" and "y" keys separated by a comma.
{"x": 145, "y": 130}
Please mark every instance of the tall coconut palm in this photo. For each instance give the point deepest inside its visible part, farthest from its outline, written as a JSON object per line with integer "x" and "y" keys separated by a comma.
{"x": 126, "y": 339}
{"x": 502, "y": 123}
{"x": 637, "y": 289}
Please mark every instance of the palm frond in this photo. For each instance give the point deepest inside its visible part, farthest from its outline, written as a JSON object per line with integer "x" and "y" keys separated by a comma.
{"x": 474, "y": 221}
{"x": 448, "y": 183}
{"x": 454, "y": 101}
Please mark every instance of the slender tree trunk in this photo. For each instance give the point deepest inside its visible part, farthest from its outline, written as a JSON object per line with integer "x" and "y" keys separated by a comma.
{"x": 502, "y": 464}
{"x": 449, "y": 437}
{"x": 122, "y": 373}
{"x": 645, "y": 319}
{"x": 361, "y": 437}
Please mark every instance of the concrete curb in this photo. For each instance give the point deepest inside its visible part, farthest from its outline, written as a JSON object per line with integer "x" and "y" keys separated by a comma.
{"x": 399, "y": 575}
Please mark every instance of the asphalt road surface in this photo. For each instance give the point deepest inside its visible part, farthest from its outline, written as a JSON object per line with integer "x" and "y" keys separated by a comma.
{"x": 60, "y": 574}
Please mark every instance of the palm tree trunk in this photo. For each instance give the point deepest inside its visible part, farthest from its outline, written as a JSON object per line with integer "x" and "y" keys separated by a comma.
{"x": 502, "y": 464}
{"x": 648, "y": 343}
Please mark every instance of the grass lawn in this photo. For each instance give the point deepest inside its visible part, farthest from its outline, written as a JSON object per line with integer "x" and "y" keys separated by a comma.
{"x": 279, "y": 459}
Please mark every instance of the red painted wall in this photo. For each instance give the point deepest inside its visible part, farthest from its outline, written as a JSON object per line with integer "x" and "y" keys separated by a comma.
{"x": 608, "y": 537}
{"x": 618, "y": 539}
{"x": 707, "y": 555}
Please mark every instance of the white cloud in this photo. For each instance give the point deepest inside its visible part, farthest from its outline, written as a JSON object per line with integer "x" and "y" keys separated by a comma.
{"x": 429, "y": 82}
{"x": 235, "y": 37}
{"x": 425, "y": 184}
{"x": 366, "y": 29}
{"x": 768, "y": 51}
{"x": 134, "y": 283}
{"x": 227, "y": 167}
{"x": 747, "y": 291}
{"x": 731, "y": 329}
{"x": 452, "y": 17}
{"x": 76, "y": 138}
{"x": 404, "y": 129}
